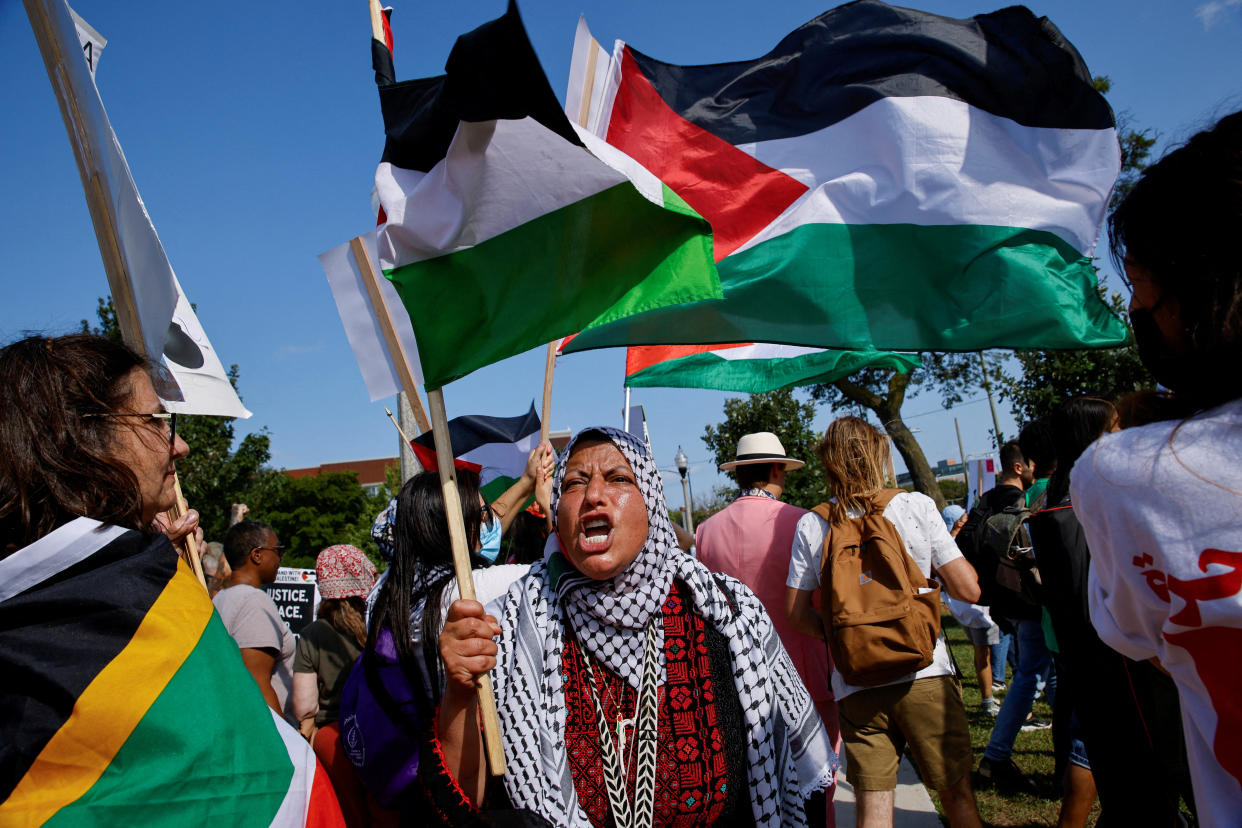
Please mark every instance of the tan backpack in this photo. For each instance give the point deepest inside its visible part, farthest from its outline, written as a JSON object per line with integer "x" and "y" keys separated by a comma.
{"x": 881, "y": 615}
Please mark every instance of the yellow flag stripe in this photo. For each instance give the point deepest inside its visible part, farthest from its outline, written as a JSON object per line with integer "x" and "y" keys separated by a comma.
{"x": 113, "y": 704}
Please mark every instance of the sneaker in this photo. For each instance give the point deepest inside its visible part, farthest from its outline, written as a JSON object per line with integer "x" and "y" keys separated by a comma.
{"x": 1035, "y": 724}
{"x": 998, "y": 687}
{"x": 1005, "y": 776}
{"x": 991, "y": 707}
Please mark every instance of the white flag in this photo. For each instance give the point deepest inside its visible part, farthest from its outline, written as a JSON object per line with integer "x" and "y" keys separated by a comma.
{"x": 93, "y": 42}
{"x": 133, "y": 256}
{"x": 362, "y": 327}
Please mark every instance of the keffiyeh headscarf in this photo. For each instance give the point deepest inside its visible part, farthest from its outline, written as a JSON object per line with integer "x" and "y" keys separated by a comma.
{"x": 788, "y": 753}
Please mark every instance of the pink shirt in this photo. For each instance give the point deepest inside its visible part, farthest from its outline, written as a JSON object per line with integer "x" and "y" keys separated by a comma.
{"x": 751, "y": 540}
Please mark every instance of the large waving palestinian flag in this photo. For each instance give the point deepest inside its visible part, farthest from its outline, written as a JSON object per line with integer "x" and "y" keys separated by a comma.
{"x": 125, "y": 702}
{"x": 496, "y": 448}
{"x": 750, "y": 367}
{"x": 883, "y": 178}
{"x": 507, "y": 227}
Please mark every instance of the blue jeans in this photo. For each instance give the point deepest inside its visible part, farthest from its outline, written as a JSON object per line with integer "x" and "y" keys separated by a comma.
{"x": 1000, "y": 655}
{"x": 1033, "y": 661}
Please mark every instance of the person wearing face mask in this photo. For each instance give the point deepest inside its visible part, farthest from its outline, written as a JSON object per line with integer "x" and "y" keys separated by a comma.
{"x": 418, "y": 586}
{"x": 1159, "y": 503}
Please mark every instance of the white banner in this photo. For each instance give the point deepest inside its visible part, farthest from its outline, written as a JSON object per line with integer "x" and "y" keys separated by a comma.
{"x": 366, "y": 337}
{"x": 93, "y": 42}
{"x": 121, "y": 218}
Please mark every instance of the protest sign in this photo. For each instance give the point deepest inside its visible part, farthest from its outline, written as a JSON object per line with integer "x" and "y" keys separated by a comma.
{"x": 296, "y": 596}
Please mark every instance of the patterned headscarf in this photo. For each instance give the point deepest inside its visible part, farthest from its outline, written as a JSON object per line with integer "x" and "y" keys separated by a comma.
{"x": 610, "y": 617}
{"x": 787, "y": 750}
{"x": 383, "y": 529}
{"x": 344, "y": 571}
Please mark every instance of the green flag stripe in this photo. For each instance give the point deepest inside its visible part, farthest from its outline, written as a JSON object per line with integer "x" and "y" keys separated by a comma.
{"x": 759, "y": 376}
{"x": 241, "y": 773}
{"x": 898, "y": 287}
{"x": 593, "y": 250}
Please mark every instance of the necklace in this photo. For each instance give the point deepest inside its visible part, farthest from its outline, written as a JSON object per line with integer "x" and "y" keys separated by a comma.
{"x": 639, "y": 812}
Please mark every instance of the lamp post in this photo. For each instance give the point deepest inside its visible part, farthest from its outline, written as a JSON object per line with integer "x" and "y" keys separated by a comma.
{"x": 683, "y": 466}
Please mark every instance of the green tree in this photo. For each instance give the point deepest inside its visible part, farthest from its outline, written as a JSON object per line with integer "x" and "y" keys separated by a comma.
{"x": 311, "y": 513}
{"x": 214, "y": 475}
{"x": 790, "y": 419}
{"x": 883, "y": 391}
{"x": 1049, "y": 378}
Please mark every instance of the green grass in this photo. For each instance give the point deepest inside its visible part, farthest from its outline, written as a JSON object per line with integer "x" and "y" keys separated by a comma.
{"x": 1031, "y": 751}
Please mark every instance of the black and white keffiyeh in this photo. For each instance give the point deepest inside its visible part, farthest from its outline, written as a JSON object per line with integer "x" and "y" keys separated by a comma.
{"x": 788, "y": 752}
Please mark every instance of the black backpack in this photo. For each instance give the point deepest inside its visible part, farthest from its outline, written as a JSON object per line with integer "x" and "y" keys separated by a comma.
{"x": 1005, "y": 536}
{"x": 1004, "y": 601}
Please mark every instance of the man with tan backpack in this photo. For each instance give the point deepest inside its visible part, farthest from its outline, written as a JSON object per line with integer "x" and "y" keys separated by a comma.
{"x": 872, "y": 550}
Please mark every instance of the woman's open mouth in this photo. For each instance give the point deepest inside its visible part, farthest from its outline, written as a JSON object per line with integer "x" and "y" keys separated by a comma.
{"x": 596, "y": 534}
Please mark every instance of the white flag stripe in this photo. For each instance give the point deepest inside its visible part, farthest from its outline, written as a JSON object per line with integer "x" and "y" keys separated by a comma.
{"x": 502, "y": 459}
{"x": 362, "y": 328}
{"x": 55, "y": 552}
{"x": 446, "y": 207}
{"x": 765, "y": 350}
{"x": 937, "y": 161}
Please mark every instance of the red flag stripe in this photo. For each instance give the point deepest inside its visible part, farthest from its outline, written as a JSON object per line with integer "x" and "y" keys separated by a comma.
{"x": 641, "y": 357}
{"x": 738, "y": 194}
{"x": 427, "y": 457}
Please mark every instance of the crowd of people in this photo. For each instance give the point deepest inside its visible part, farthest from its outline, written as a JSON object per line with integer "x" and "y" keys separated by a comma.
{"x": 644, "y": 677}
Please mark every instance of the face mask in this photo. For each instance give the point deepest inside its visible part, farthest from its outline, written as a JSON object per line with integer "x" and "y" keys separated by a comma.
{"x": 1177, "y": 373}
{"x": 489, "y": 535}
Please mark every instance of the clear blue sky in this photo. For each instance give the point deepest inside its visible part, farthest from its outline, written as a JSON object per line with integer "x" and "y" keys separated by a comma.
{"x": 253, "y": 138}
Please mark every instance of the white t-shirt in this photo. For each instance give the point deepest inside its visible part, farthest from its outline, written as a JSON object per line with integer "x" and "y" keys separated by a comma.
{"x": 927, "y": 541}
{"x": 1164, "y": 523}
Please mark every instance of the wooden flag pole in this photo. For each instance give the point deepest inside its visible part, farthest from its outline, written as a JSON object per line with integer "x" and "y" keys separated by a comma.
{"x": 191, "y": 543}
{"x": 545, "y": 417}
{"x": 397, "y": 426}
{"x": 461, "y": 566}
{"x": 448, "y": 482}
{"x": 371, "y": 280}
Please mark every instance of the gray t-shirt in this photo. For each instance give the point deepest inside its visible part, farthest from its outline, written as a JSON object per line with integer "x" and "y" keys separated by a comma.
{"x": 252, "y": 619}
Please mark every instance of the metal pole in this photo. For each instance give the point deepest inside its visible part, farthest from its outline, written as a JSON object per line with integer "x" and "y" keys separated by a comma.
{"x": 987, "y": 386}
{"x": 405, "y": 416}
{"x": 626, "y": 415}
{"x": 962, "y": 451}
{"x": 688, "y": 522}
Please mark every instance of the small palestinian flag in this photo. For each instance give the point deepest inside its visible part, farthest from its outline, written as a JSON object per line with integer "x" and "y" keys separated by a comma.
{"x": 494, "y": 447}
{"x": 125, "y": 702}
{"x": 884, "y": 178}
{"x": 750, "y": 367}
{"x": 507, "y": 227}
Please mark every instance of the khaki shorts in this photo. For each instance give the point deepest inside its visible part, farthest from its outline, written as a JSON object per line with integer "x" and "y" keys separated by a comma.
{"x": 927, "y": 714}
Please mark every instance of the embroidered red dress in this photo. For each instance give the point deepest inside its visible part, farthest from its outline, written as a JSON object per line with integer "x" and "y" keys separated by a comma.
{"x": 698, "y": 767}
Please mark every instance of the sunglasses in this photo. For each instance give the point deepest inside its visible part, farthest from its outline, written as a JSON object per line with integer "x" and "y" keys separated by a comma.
{"x": 167, "y": 422}
{"x": 279, "y": 550}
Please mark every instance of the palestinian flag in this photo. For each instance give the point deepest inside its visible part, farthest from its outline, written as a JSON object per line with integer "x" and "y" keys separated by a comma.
{"x": 750, "y": 367}
{"x": 125, "y": 701}
{"x": 883, "y": 179}
{"x": 496, "y": 448}
{"x": 507, "y": 227}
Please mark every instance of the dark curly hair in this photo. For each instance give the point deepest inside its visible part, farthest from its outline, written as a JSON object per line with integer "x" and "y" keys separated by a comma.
{"x": 1181, "y": 222}
{"x": 55, "y": 464}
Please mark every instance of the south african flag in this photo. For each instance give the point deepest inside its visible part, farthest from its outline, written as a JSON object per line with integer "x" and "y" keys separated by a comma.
{"x": 125, "y": 702}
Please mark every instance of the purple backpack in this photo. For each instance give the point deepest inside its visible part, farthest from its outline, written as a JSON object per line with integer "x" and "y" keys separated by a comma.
{"x": 380, "y": 724}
